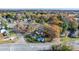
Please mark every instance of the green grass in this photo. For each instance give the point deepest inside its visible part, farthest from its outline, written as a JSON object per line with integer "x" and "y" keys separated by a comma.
{"x": 67, "y": 39}
{"x": 61, "y": 48}
{"x": 11, "y": 33}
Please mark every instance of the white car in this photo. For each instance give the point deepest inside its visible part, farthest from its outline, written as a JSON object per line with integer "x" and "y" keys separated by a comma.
{"x": 4, "y": 31}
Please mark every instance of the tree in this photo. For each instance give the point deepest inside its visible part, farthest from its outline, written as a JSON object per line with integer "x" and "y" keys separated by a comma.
{"x": 56, "y": 29}
{"x": 73, "y": 25}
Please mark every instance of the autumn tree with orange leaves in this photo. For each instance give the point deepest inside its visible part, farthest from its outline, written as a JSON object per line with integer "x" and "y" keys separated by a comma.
{"x": 56, "y": 29}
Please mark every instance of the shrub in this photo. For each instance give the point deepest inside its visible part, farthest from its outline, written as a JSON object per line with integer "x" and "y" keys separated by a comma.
{"x": 61, "y": 48}
{"x": 30, "y": 38}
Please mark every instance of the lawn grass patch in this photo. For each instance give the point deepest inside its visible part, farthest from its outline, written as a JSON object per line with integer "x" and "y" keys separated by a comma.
{"x": 67, "y": 39}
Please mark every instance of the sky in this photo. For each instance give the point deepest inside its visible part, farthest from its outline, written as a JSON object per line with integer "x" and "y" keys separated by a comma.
{"x": 55, "y": 4}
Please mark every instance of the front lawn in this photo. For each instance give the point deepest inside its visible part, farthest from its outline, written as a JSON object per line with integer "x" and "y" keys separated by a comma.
{"x": 67, "y": 39}
{"x": 7, "y": 41}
